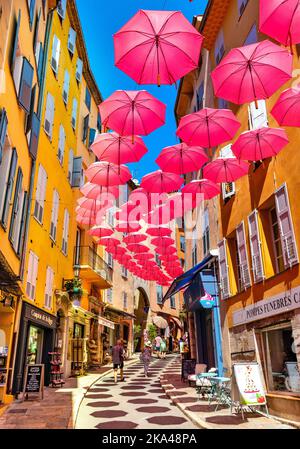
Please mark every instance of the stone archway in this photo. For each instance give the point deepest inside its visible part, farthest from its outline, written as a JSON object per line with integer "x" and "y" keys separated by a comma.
{"x": 141, "y": 311}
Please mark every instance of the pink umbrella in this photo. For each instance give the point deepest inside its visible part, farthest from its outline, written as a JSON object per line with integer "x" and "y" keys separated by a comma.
{"x": 280, "y": 19}
{"x": 145, "y": 201}
{"x": 159, "y": 232}
{"x": 134, "y": 238}
{"x": 157, "y": 47}
{"x": 125, "y": 210}
{"x": 225, "y": 170}
{"x": 116, "y": 250}
{"x": 208, "y": 127}
{"x": 101, "y": 231}
{"x": 180, "y": 203}
{"x": 160, "y": 215}
{"x": 111, "y": 147}
{"x": 252, "y": 72}
{"x": 93, "y": 205}
{"x": 162, "y": 241}
{"x": 109, "y": 241}
{"x": 86, "y": 221}
{"x": 144, "y": 256}
{"x": 181, "y": 159}
{"x": 260, "y": 144}
{"x": 96, "y": 192}
{"x": 204, "y": 187}
{"x": 287, "y": 108}
{"x": 162, "y": 250}
{"x": 159, "y": 182}
{"x": 128, "y": 227}
{"x": 108, "y": 174}
{"x": 132, "y": 112}
{"x": 137, "y": 248}
{"x": 168, "y": 257}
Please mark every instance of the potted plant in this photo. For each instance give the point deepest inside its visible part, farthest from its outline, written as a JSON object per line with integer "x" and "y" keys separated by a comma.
{"x": 74, "y": 289}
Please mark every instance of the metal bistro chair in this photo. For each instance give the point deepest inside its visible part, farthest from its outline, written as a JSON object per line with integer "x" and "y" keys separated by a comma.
{"x": 221, "y": 391}
{"x": 204, "y": 385}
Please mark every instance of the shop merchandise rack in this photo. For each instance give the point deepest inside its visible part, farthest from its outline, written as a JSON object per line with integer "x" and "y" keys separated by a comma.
{"x": 56, "y": 371}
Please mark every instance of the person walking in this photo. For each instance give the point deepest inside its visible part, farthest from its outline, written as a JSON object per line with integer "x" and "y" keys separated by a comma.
{"x": 158, "y": 341}
{"x": 118, "y": 360}
{"x": 145, "y": 357}
{"x": 163, "y": 348}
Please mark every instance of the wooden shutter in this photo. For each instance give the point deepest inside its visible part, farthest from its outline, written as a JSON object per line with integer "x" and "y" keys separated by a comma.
{"x": 255, "y": 246}
{"x": 16, "y": 205}
{"x": 40, "y": 60}
{"x": 65, "y": 232}
{"x": 54, "y": 215}
{"x": 55, "y": 53}
{"x": 34, "y": 135}
{"x": 72, "y": 41}
{"x": 287, "y": 235}
{"x": 9, "y": 186}
{"x": 32, "y": 275}
{"x": 49, "y": 115}
{"x": 3, "y": 130}
{"x": 61, "y": 144}
{"x": 26, "y": 85}
{"x": 223, "y": 269}
{"x": 79, "y": 67}
{"x": 243, "y": 255}
{"x": 15, "y": 43}
{"x": 258, "y": 117}
{"x": 66, "y": 87}
{"x": 40, "y": 194}
{"x": 49, "y": 287}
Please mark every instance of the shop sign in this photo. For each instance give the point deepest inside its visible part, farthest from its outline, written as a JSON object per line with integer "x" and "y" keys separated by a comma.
{"x": 39, "y": 316}
{"x": 106, "y": 323}
{"x": 34, "y": 380}
{"x": 247, "y": 386}
{"x": 275, "y": 305}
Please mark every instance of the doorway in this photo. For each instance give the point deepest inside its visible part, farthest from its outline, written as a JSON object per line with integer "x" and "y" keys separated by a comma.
{"x": 34, "y": 350}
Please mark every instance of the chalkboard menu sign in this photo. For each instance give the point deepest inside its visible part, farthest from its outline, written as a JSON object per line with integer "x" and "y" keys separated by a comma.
{"x": 188, "y": 367}
{"x": 34, "y": 380}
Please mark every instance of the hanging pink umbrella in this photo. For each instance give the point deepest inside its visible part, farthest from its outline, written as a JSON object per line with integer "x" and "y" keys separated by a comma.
{"x": 109, "y": 241}
{"x": 180, "y": 203}
{"x": 280, "y": 20}
{"x": 204, "y": 187}
{"x": 108, "y": 174}
{"x": 162, "y": 241}
{"x": 124, "y": 212}
{"x": 253, "y": 72}
{"x": 287, "y": 108}
{"x": 132, "y": 112}
{"x": 225, "y": 170}
{"x": 93, "y": 205}
{"x": 96, "y": 192}
{"x": 181, "y": 159}
{"x": 101, "y": 231}
{"x": 85, "y": 221}
{"x": 159, "y": 232}
{"x": 208, "y": 127}
{"x": 116, "y": 250}
{"x": 111, "y": 147}
{"x": 157, "y": 47}
{"x": 145, "y": 201}
{"x": 144, "y": 256}
{"x": 166, "y": 258}
{"x": 162, "y": 250}
{"x": 160, "y": 215}
{"x": 134, "y": 238}
{"x": 260, "y": 144}
{"x": 137, "y": 248}
{"x": 128, "y": 227}
{"x": 159, "y": 182}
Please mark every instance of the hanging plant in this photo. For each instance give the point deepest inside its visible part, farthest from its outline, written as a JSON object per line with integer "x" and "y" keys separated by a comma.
{"x": 74, "y": 287}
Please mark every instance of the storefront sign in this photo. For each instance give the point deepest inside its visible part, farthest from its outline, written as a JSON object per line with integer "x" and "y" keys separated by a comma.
{"x": 34, "y": 380}
{"x": 275, "y": 305}
{"x": 247, "y": 386}
{"x": 106, "y": 323}
{"x": 40, "y": 317}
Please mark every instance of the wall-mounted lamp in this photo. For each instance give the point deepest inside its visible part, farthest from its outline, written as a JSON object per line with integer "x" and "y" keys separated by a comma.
{"x": 7, "y": 301}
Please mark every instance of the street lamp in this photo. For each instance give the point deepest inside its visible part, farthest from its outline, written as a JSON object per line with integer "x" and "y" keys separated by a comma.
{"x": 7, "y": 301}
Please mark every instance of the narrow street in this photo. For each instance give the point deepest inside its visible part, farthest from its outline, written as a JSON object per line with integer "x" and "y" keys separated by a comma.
{"x": 137, "y": 403}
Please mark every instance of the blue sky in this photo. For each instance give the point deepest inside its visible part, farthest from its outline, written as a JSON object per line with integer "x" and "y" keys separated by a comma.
{"x": 100, "y": 19}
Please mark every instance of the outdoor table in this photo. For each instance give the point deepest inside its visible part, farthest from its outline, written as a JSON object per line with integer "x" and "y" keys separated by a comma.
{"x": 220, "y": 391}
{"x": 201, "y": 386}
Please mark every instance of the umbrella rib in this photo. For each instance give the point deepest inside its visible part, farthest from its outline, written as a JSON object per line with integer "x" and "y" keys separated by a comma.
{"x": 149, "y": 109}
{"x": 125, "y": 120}
{"x": 134, "y": 48}
{"x": 288, "y": 110}
{"x": 164, "y": 58}
{"x": 262, "y": 85}
{"x": 142, "y": 123}
{"x": 145, "y": 62}
{"x": 182, "y": 51}
{"x": 166, "y": 21}
{"x": 151, "y": 24}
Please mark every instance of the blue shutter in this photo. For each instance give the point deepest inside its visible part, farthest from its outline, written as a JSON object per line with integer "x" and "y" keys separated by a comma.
{"x": 26, "y": 85}
{"x": 15, "y": 43}
{"x": 3, "y": 129}
{"x": 16, "y": 204}
{"x": 40, "y": 63}
{"x": 31, "y": 12}
{"x": 9, "y": 187}
{"x": 92, "y": 136}
{"x": 85, "y": 128}
{"x": 34, "y": 137}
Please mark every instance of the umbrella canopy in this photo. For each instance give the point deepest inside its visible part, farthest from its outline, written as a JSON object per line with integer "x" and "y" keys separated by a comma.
{"x": 280, "y": 20}
{"x": 101, "y": 231}
{"x": 160, "y": 322}
{"x": 181, "y": 159}
{"x": 208, "y": 127}
{"x": 259, "y": 144}
{"x": 166, "y": 250}
{"x": 96, "y": 192}
{"x": 86, "y": 221}
{"x": 132, "y": 112}
{"x": 180, "y": 203}
{"x": 144, "y": 256}
{"x": 134, "y": 238}
{"x": 204, "y": 187}
{"x": 252, "y": 72}
{"x": 137, "y": 248}
{"x": 162, "y": 241}
{"x": 166, "y": 258}
{"x": 287, "y": 108}
{"x": 108, "y": 174}
{"x": 157, "y": 47}
{"x": 128, "y": 227}
{"x": 159, "y": 232}
{"x": 225, "y": 169}
{"x": 160, "y": 215}
{"x": 111, "y": 147}
{"x": 116, "y": 250}
{"x": 109, "y": 241}
{"x": 87, "y": 203}
{"x": 159, "y": 182}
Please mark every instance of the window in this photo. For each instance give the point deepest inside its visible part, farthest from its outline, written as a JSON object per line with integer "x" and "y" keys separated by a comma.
{"x": 34, "y": 135}
{"x": 258, "y": 116}
{"x": 124, "y": 272}
{"x": 66, "y": 87}
{"x": 54, "y": 215}
{"x": 77, "y": 172}
{"x": 49, "y": 287}
{"x": 242, "y": 6}
{"x": 172, "y": 302}
{"x": 49, "y": 115}
{"x": 8, "y": 185}
{"x": 205, "y": 232}
{"x": 199, "y": 96}
{"x": 111, "y": 217}
{"x": 110, "y": 260}
{"x": 61, "y": 8}
{"x": 228, "y": 188}
{"x": 74, "y": 113}
{"x": 15, "y": 48}
{"x": 3, "y": 130}
{"x": 40, "y": 194}
{"x": 88, "y": 99}
{"x": 61, "y": 144}
{"x": 255, "y": 247}
{"x": 276, "y": 241}
{"x": 109, "y": 295}
{"x": 242, "y": 257}
{"x": 39, "y": 58}
{"x": 92, "y": 136}
{"x": 219, "y": 47}
{"x": 159, "y": 294}
{"x": 36, "y": 32}
{"x": 286, "y": 229}
{"x": 125, "y": 301}
{"x": 252, "y": 36}
{"x": 55, "y": 54}
{"x": 65, "y": 237}
{"x": 32, "y": 272}
{"x": 182, "y": 243}
{"x": 223, "y": 269}
{"x": 17, "y": 209}
{"x": 79, "y": 67}
{"x": 31, "y": 7}
{"x": 194, "y": 247}
{"x": 280, "y": 359}
{"x": 85, "y": 128}
{"x": 223, "y": 104}
{"x": 70, "y": 165}
{"x": 71, "y": 41}
{"x": 99, "y": 125}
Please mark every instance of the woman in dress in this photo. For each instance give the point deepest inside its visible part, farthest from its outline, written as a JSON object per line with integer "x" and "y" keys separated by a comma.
{"x": 163, "y": 348}
{"x": 145, "y": 357}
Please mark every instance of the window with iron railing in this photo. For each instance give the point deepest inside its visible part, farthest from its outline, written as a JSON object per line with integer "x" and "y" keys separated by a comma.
{"x": 87, "y": 256}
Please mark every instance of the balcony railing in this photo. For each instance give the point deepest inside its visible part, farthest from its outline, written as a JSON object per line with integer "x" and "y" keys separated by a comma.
{"x": 85, "y": 256}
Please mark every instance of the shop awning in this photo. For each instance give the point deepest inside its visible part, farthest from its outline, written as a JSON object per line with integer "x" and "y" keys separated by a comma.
{"x": 119, "y": 311}
{"x": 105, "y": 322}
{"x": 185, "y": 279}
{"x": 177, "y": 321}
